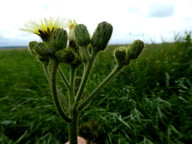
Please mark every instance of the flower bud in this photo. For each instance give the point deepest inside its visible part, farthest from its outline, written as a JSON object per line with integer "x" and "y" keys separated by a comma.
{"x": 77, "y": 61}
{"x": 32, "y": 47}
{"x": 73, "y": 45}
{"x": 121, "y": 56}
{"x": 58, "y": 39}
{"x": 67, "y": 56}
{"x": 101, "y": 36}
{"x": 82, "y": 35}
{"x": 41, "y": 49}
{"x": 135, "y": 49}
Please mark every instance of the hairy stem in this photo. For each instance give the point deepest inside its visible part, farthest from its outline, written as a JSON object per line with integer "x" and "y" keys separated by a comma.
{"x": 86, "y": 52}
{"x": 99, "y": 87}
{"x": 71, "y": 86}
{"x": 86, "y": 73}
{"x": 63, "y": 77}
{"x": 54, "y": 91}
{"x": 72, "y": 128}
{"x": 46, "y": 72}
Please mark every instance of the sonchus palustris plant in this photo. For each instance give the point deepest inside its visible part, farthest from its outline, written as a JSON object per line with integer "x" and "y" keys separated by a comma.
{"x": 75, "y": 48}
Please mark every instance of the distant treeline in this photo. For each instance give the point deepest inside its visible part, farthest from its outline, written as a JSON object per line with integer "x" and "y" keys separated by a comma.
{"x": 11, "y": 47}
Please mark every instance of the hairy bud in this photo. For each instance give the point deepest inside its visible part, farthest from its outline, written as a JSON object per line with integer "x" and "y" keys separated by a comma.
{"x": 101, "y": 36}
{"x": 135, "y": 49}
{"x": 58, "y": 40}
{"x": 32, "y": 47}
{"x": 67, "y": 56}
{"x": 82, "y": 35}
{"x": 41, "y": 49}
{"x": 77, "y": 61}
{"x": 121, "y": 56}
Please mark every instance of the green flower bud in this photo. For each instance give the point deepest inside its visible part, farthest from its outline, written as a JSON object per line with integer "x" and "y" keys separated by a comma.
{"x": 32, "y": 47}
{"x": 135, "y": 49}
{"x": 73, "y": 45}
{"x": 82, "y": 35}
{"x": 58, "y": 40}
{"x": 67, "y": 56}
{"x": 121, "y": 56}
{"x": 41, "y": 49}
{"x": 77, "y": 61}
{"x": 101, "y": 36}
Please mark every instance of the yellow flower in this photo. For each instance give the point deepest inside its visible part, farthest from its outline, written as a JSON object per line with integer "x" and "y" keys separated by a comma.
{"x": 45, "y": 27}
{"x": 71, "y": 34}
{"x": 72, "y": 24}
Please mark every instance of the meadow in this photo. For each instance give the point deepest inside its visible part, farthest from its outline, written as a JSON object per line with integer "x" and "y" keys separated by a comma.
{"x": 149, "y": 102}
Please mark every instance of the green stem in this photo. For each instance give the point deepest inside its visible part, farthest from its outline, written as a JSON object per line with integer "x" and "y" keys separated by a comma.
{"x": 86, "y": 52}
{"x": 71, "y": 86}
{"x": 63, "y": 77}
{"x": 54, "y": 91}
{"x": 99, "y": 87}
{"x": 46, "y": 72}
{"x": 86, "y": 74}
{"x": 72, "y": 128}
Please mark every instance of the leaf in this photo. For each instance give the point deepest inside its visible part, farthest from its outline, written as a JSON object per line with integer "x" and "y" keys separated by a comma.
{"x": 6, "y": 122}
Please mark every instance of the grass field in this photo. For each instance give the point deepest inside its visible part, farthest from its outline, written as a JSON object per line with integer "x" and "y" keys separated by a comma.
{"x": 149, "y": 102}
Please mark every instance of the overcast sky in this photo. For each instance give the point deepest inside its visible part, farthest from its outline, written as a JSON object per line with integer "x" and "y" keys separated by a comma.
{"x": 148, "y": 20}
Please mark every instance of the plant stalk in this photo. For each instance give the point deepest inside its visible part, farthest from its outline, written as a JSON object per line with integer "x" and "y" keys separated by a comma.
{"x": 86, "y": 74}
{"x": 46, "y": 72}
{"x": 99, "y": 87}
{"x": 54, "y": 91}
{"x": 71, "y": 86}
{"x": 73, "y": 127}
{"x": 63, "y": 77}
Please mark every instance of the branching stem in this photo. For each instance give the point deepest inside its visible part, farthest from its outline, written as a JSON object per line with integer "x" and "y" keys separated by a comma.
{"x": 71, "y": 86}
{"x": 63, "y": 77}
{"x": 99, "y": 87}
{"x": 54, "y": 91}
{"x": 86, "y": 73}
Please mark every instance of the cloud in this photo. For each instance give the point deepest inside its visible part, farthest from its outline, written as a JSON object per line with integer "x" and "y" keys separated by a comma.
{"x": 150, "y": 17}
{"x": 160, "y": 10}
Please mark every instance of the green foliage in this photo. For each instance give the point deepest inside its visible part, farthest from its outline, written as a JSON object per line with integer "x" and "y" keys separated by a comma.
{"x": 148, "y": 102}
{"x": 27, "y": 114}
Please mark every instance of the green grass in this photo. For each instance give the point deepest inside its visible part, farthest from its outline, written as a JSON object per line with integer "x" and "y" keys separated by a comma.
{"x": 149, "y": 102}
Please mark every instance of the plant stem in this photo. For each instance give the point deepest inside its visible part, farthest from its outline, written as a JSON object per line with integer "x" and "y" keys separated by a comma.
{"x": 86, "y": 52}
{"x": 63, "y": 77}
{"x": 86, "y": 74}
{"x": 72, "y": 128}
{"x": 46, "y": 72}
{"x": 54, "y": 91}
{"x": 99, "y": 87}
{"x": 71, "y": 86}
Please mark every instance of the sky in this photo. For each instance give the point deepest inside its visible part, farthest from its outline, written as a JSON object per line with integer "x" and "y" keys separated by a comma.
{"x": 148, "y": 20}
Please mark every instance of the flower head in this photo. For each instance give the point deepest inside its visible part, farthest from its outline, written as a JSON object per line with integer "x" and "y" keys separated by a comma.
{"x": 72, "y": 24}
{"x": 45, "y": 27}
